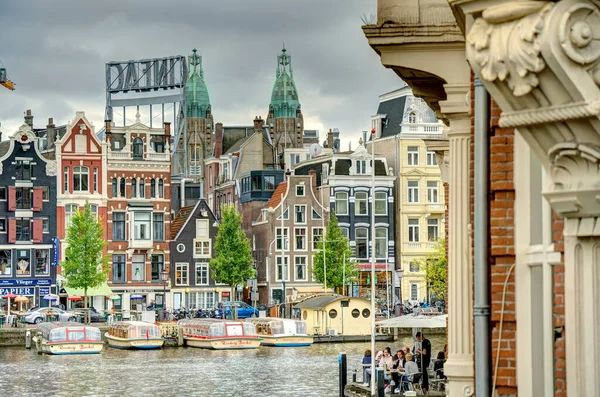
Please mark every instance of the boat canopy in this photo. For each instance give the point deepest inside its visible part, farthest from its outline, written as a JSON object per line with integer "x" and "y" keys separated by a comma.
{"x": 69, "y": 332}
{"x": 278, "y": 326}
{"x": 135, "y": 329}
{"x": 214, "y": 328}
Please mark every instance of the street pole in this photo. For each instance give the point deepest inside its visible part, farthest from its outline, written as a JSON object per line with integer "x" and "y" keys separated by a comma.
{"x": 344, "y": 275}
{"x": 373, "y": 262}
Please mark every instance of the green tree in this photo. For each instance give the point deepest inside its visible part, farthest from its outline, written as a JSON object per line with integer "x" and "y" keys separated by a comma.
{"x": 435, "y": 265}
{"x": 85, "y": 265}
{"x": 335, "y": 257}
{"x": 232, "y": 264}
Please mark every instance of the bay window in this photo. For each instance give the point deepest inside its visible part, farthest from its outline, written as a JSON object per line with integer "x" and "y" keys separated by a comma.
{"x": 141, "y": 225}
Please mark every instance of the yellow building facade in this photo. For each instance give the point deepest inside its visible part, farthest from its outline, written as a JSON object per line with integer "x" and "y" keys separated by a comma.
{"x": 401, "y": 125}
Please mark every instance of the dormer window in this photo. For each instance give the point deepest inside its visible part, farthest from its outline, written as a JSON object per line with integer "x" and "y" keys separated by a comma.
{"x": 138, "y": 149}
{"x": 361, "y": 167}
{"x": 412, "y": 118}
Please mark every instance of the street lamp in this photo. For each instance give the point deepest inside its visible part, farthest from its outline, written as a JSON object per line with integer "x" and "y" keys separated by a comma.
{"x": 164, "y": 277}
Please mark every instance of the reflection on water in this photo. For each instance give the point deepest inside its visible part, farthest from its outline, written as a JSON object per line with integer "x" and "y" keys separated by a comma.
{"x": 307, "y": 371}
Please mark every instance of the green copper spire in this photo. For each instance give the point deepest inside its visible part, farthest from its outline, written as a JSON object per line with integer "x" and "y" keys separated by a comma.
{"x": 284, "y": 99}
{"x": 196, "y": 93}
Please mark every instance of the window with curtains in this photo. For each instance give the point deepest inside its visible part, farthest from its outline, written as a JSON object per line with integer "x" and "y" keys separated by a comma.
{"x": 413, "y": 155}
{"x": 300, "y": 213}
{"x": 360, "y": 204}
{"x": 300, "y": 267}
{"x": 118, "y": 268}
{"x": 142, "y": 225}
{"x": 118, "y": 226}
{"x": 282, "y": 239}
{"x": 341, "y": 203}
{"x": 413, "y": 191}
{"x": 413, "y": 230}
{"x": 380, "y": 203}
{"x": 300, "y": 236}
{"x": 431, "y": 158}
{"x": 433, "y": 229}
{"x": 80, "y": 179}
{"x": 432, "y": 191}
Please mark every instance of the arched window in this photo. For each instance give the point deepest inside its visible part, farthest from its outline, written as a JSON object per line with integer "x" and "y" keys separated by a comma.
{"x": 142, "y": 188}
{"x": 161, "y": 188}
{"x": 122, "y": 188}
{"x": 153, "y": 188}
{"x": 134, "y": 188}
{"x": 138, "y": 149}
{"x": 114, "y": 187}
{"x": 412, "y": 117}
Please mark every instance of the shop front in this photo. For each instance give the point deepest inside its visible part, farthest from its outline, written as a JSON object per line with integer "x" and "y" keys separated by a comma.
{"x": 384, "y": 282}
{"x": 199, "y": 298}
{"x": 32, "y": 289}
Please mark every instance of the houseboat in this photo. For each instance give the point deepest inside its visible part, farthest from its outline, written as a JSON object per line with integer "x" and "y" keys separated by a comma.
{"x": 281, "y": 332}
{"x": 134, "y": 335}
{"x": 219, "y": 334}
{"x": 67, "y": 338}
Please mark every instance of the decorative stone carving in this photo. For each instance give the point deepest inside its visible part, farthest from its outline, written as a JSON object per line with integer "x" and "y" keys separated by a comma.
{"x": 504, "y": 43}
{"x": 51, "y": 168}
{"x": 579, "y": 33}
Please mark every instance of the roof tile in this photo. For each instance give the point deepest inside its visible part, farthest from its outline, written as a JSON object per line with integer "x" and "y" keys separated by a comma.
{"x": 182, "y": 215}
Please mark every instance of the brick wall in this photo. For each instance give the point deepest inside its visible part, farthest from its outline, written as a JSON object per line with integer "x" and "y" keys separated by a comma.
{"x": 560, "y": 375}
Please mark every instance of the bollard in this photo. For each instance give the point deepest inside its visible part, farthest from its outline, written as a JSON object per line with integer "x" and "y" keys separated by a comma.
{"x": 28, "y": 339}
{"x": 343, "y": 372}
{"x": 380, "y": 383}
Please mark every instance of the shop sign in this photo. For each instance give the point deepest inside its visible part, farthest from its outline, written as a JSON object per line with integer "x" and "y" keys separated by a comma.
{"x": 44, "y": 291}
{"x": 26, "y": 282}
{"x": 18, "y": 291}
{"x": 378, "y": 266}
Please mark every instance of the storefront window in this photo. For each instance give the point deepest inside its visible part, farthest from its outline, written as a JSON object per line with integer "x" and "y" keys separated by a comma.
{"x": 42, "y": 262}
{"x": 23, "y": 265}
{"x": 5, "y": 263}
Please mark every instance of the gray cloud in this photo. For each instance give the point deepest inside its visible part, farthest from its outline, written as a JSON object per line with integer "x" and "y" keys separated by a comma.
{"x": 55, "y": 52}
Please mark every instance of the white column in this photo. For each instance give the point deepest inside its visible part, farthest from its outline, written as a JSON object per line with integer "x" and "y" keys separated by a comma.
{"x": 459, "y": 367}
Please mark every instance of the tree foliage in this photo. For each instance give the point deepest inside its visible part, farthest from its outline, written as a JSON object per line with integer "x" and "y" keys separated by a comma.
{"x": 435, "y": 265}
{"x": 85, "y": 265}
{"x": 232, "y": 264}
{"x": 335, "y": 257}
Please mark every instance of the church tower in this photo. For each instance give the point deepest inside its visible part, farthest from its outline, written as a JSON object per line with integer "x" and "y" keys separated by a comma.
{"x": 285, "y": 120}
{"x": 199, "y": 119}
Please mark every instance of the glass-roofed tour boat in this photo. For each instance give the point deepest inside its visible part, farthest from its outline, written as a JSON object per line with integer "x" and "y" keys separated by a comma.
{"x": 67, "y": 338}
{"x": 134, "y": 335}
{"x": 219, "y": 334}
{"x": 281, "y": 332}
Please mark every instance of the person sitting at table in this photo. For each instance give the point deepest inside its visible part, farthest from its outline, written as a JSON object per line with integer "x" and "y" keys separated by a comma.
{"x": 438, "y": 365}
{"x": 398, "y": 367}
{"x": 387, "y": 361}
{"x": 410, "y": 370}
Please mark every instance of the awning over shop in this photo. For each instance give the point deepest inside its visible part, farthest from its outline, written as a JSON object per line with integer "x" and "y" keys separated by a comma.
{"x": 102, "y": 290}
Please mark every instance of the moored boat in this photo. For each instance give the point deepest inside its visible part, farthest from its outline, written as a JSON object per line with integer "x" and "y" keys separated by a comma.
{"x": 281, "y": 332}
{"x": 67, "y": 338}
{"x": 219, "y": 334}
{"x": 134, "y": 335}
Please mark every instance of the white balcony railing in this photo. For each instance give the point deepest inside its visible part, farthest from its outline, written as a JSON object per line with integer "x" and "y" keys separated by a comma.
{"x": 433, "y": 129}
{"x": 435, "y": 207}
{"x": 150, "y": 156}
{"x": 419, "y": 245}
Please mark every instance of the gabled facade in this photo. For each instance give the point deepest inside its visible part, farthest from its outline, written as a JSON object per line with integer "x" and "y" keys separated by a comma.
{"x": 285, "y": 239}
{"x": 139, "y": 209}
{"x": 28, "y": 221}
{"x": 193, "y": 234}
{"x": 344, "y": 181}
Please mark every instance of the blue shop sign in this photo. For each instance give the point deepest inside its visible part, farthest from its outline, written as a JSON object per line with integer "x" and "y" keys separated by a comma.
{"x": 44, "y": 291}
{"x": 26, "y": 282}
{"x": 18, "y": 291}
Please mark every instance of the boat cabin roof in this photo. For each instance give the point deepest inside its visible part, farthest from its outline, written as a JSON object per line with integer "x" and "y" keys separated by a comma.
{"x": 132, "y": 324}
{"x": 207, "y": 322}
{"x": 55, "y": 325}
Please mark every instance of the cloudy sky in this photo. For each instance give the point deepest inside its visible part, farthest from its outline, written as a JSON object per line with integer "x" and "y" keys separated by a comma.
{"x": 55, "y": 53}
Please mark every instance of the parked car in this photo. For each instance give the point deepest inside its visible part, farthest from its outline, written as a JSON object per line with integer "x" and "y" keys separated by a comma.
{"x": 36, "y": 316}
{"x": 244, "y": 309}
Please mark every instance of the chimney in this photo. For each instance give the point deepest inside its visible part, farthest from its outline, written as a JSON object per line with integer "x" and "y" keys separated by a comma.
{"x": 107, "y": 125}
{"x": 167, "y": 127}
{"x": 330, "y": 139}
{"x": 313, "y": 181}
{"x": 51, "y": 132}
{"x": 29, "y": 118}
{"x": 218, "y": 140}
{"x": 258, "y": 123}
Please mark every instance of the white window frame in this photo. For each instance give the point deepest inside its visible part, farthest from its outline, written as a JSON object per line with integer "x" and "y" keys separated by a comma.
{"x": 361, "y": 167}
{"x": 305, "y": 267}
{"x": 435, "y": 227}
{"x": 385, "y": 203}
{"x": 433, "y": 192}
{"x": 366, "y": 238}
{"x": 205, "y": 248}
{"x": 414, "y": 231}
{"x": 285, "y": 237}
{"x": 286, "y": 264}
{"x": 78, "y": 171}
{"x": 135, "y": 224}
{"x": 305, "y": 239}
{"x": 378, "y": 240}
{"x": 413, "y": 155}
{"x": 413, "y": 192}
{"x": 143, "y": 268}
{"x": 357, "y": 201}
{"x": 315, "y": 243}
{"x": 206, "y": 269}
{"x": 300, "y": 191}
{"x": 337, "y": 207}
{"x": 305, "y": 214}
{"x": 201, "y": 226}
{"x": 416, "y": 287}
{"x": 431, "y": 161}
{"x": 179, "y": 267}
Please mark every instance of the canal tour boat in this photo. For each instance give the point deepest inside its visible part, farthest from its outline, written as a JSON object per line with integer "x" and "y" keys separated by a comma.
{"x": 219, "y": 334}
{"x": 281, "y": 332}
{"x": 67, "y": 338}
{"x": 134, "y": 335}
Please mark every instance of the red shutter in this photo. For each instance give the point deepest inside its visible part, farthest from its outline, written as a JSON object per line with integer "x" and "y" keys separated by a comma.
{"x": 37, "y": 231}
{"x": 12, "y": 198}
{"x": 37, "y": 198}
{"x": 12, "y": 230}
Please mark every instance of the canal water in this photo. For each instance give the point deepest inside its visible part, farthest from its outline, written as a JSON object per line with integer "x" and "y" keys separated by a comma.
{"x": 306, "y": 372}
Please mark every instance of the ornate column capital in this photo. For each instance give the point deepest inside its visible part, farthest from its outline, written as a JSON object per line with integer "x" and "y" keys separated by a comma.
{"x": 540, "y": 61}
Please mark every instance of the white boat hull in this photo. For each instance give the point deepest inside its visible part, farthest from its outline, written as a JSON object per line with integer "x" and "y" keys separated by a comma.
{"x": 223, "y": 343}
{"x": 141, "y": 343}
{"x": 287, "y": 340}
